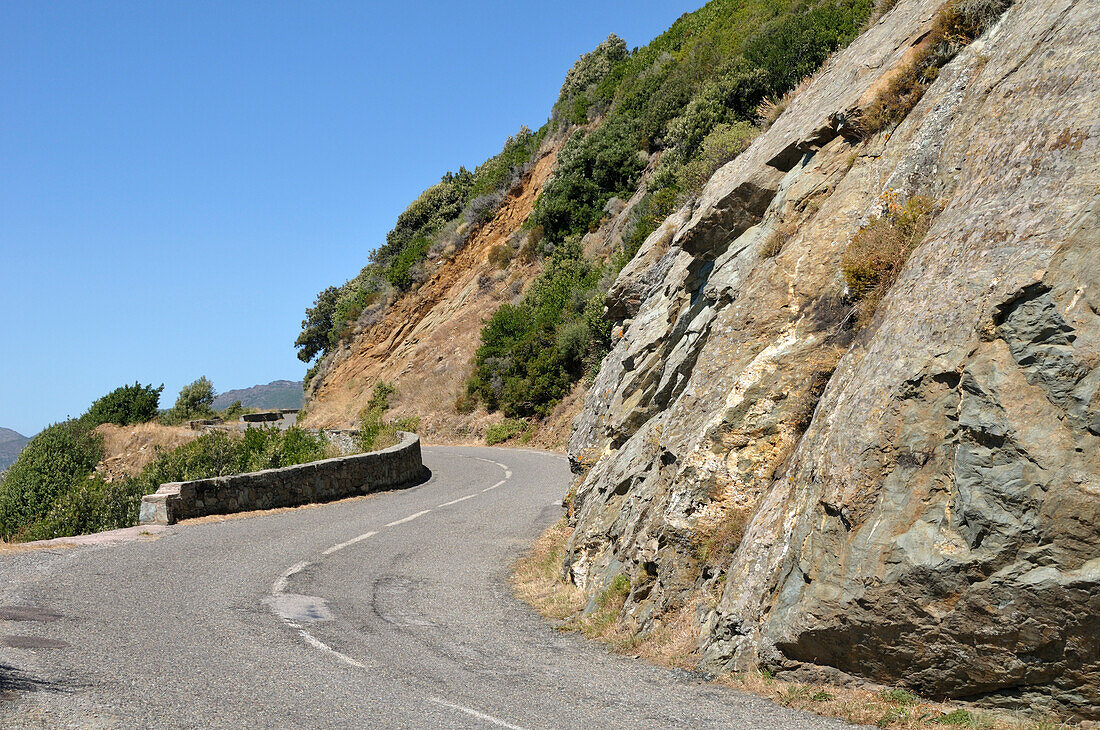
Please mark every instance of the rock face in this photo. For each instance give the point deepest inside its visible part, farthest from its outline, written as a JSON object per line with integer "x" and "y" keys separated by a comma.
{"x": 919, "y": 497}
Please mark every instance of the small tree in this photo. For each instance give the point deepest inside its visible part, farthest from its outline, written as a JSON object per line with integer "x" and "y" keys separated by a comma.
{"x": 195, "y": 400}
{"x": 124, "y": 406}
{"x": 314, "y": 337}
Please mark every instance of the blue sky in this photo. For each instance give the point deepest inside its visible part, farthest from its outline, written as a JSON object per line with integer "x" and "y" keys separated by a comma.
{"x": 179, "y": 180}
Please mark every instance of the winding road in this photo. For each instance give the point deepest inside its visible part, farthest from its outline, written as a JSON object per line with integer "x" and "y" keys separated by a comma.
{"x": 389, "y": 611}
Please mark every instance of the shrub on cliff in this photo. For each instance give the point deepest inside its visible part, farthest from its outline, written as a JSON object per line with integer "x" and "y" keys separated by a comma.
{"x": 879, "y": 250}
{"x": 957, "y": 24}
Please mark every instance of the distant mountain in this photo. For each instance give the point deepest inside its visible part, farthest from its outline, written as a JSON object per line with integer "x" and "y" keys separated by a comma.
{"x": 11, "y": 443}
{"x": 276, "y": 394}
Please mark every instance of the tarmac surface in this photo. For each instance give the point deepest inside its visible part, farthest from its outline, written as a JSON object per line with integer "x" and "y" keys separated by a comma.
{"x": 388, "y": 611}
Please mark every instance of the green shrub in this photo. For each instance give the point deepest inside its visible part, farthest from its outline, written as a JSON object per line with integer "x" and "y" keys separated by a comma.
{"x": 61, "y": 456}
{"x": 123, "y": 406}
{"x": 721, "y": 145}
{"x": 793, "y": 45}
{"x": 650, "y": 212}
{"x": 507, "y": 429}
{"x": 195, "y": 401}
{"x": 589, "y": 70}
{"x": 374, "y": 431}
{"x": 51, "y": 490}
{"x": 530, "y": 354}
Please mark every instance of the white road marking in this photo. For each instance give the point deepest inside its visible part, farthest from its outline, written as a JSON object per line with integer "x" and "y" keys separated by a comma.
{"x": 456, "y": 501}
{"x": 475, "y": 713}
{"x": 410, "y": 518}
{"x": 352, "y": 541}
{"x": 280, "y": 583}
{"x": 318, "y": 644}
{"x": 489, "y": 489}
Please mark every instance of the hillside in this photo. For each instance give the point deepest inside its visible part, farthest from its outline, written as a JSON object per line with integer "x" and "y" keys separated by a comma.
{"x": 274, "y": 395}
{"x": 11, "y": 443}
{"x": 486, "y": 300}
{"x": 826, "y": 336}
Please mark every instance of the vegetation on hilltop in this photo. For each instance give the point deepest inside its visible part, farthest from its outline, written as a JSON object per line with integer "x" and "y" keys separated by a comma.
{"x": 435, "y": 225}
{"x": 681, "y": 107}
{"x": 52, "y": 489}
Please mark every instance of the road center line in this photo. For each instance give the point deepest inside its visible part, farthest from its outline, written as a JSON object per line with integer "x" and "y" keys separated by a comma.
{"x": 318, "y": 644}
{"x": 489, "y": 489}
{"x": 475, "y": 713}
{"x": 352, "y": 541}
{"x": 456, "y": 501}
{"x": 280, "y": 583}
{"x": 410, "y": 518}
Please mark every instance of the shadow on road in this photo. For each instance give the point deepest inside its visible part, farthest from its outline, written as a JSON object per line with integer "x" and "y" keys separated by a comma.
{"x": 13, "y": 680}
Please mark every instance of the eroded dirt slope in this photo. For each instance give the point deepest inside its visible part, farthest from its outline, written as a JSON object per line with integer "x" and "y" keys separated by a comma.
{"x": 425, "y": 342}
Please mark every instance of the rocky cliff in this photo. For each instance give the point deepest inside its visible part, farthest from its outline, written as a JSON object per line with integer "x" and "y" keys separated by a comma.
{"x": 911, "y": 496}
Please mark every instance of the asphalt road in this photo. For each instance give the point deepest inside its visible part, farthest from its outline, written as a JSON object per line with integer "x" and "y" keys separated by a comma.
{"x": 386, "y": 612}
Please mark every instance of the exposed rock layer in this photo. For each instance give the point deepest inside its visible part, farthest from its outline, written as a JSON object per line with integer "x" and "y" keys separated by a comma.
{"x": 920, "y": 497}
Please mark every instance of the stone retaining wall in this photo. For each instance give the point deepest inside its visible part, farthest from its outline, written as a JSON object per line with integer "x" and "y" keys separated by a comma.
{"x": 318, "y": 481}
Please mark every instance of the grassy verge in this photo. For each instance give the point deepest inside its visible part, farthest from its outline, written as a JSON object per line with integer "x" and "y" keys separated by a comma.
{"x": 537, "y": 580}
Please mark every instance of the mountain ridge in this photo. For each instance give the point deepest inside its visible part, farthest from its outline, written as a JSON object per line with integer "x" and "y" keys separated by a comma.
{"x": 273, "y": 395}
{"x": 11, "y": 443}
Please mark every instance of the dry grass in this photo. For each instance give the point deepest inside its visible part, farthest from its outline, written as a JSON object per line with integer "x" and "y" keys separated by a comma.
{"x": 537, "y": 580}
{"x": 957, "y": 24}
{"x": 879, "y": 250}
{"x": 777, "y": 240}
{"x": 536, "y": 577}
{"x": 129, "y": 449}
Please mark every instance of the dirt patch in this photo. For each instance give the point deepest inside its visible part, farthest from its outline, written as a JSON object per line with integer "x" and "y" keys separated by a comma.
{"x": 129, "y": 449}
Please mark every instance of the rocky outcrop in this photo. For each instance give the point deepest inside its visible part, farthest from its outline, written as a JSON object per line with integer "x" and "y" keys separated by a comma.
{"x": 919, "y": 496}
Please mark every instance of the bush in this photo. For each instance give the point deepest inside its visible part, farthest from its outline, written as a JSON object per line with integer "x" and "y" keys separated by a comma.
{"x": 724, "y": 142}
{"x": 123, "y": 406}
{"x": 796, "y": 43}
{"x": 61, "y": 456}
{"x": 195, "y": 401}
{"x": 500, "y": 255}
{"x": 530, "y": 354}
{"x": 507, "y": 429}
{"x": 376, "y": 433}
{"x": 589, "y": 70}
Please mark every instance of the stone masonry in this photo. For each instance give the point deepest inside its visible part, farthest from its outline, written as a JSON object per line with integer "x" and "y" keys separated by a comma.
{"x": 318, "y": 481}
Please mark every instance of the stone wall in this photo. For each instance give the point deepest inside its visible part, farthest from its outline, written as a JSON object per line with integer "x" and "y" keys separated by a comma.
{"x": 318, "y": 481}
